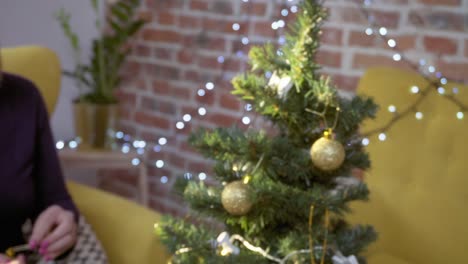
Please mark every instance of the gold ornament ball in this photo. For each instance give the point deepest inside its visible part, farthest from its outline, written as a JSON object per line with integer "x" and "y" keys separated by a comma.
{"x": 237, "y": 198}
{"x": 327, "y": 154}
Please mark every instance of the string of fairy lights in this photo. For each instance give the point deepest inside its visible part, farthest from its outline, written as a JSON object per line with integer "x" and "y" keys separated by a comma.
{"x": 129, "y": 144}
{"x": 435, "y": 79}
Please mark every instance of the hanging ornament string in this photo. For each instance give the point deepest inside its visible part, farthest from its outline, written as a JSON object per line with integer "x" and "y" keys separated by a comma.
{"x": 311, "y": 239}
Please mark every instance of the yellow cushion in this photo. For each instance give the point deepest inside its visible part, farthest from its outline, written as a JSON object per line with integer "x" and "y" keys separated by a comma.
{"x": 125, "y": 229}
{"x": 419, "y": 175}
{"x": 38, "y": 64}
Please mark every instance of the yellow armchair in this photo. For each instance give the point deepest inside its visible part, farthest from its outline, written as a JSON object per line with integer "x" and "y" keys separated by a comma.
{"x": 419, "y": 174}
{"x": 124, "y": 228}
{"x": 38, "y": 64}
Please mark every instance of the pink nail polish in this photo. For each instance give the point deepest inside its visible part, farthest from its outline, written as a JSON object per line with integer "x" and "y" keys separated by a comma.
{"x": 33, "y": 244}
{"x": 48, "y": 258}
{"x": 42, "y": 251}
{"x": 44, "y": 244}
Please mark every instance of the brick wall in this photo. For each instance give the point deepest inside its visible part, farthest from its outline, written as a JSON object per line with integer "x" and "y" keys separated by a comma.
{"x": 177, "y": 53}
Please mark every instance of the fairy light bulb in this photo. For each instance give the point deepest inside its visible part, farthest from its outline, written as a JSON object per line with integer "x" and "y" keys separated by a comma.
{"x": 460, "y": 115}
{"x": 159, "y": 164}
{"x": 391, "y": 43}
{"x": 135, "y": 161}
{"x": 441, "y": 90}
{"x": 72, "y": 144}
{"x": 383, "y": 31}
{"x": 164, "y": 179}
{"x": 392, "y": 109}
{"x": 365, "y": 142}
{"x": 119, "y": 135}
{"x": 60, "y": 145}
{"x": 125, "y": 149}
{"x": 187, "y": 118}
{"x": 180, "y": 125}
{"x": 419, "y": 115}
{"x": 382, "y": 137}
{"x": 397, "y": 57}
{"x": 202, "y": 111}
{"x": 162, "y": 141}
{"x": 369, "y": 31}
{"x": 235, "y": 26}
{"x": 202, "y": 176}
{"x": 414, "y": 89}
{"x": 209, "y": 86}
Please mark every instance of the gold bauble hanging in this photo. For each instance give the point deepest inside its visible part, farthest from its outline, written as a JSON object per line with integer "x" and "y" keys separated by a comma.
{"x": 327, "y": 154}
{"x": 237, "y": 198}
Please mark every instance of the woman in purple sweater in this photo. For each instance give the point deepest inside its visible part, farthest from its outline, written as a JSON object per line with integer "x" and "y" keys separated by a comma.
{"x": 31, "y": 182}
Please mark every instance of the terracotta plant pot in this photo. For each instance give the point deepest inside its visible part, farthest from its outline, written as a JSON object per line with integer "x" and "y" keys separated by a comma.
{"x": 95, "y": 125}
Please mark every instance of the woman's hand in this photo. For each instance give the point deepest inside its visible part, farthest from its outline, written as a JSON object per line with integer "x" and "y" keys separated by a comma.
{"x": 5, "y": 260}
{"x": 54, "y": 232}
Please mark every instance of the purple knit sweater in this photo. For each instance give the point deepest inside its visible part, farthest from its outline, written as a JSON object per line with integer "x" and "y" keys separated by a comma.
{"x": 30, "y": 174}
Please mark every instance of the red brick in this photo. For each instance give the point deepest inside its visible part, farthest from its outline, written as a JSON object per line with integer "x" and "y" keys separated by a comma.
{"x": 223, "y": 120}
{"x": 187, "y": 21}
{"x": 157, "y": 105}
{"x": 455, "y": 71}
{"x": 353, "y": 15}
{"x": 344, "y": 82}
{"x": 145, "y": 15}
{"x": 426, "y": 18}
{"x": 254, "y": 9}
{"x": 329, "y": 58}
{"x": 207, "y": 99}
{"x": 128, "y": 176}
{"x": 222, "y": 7}
{"x": 230, "y": 101}
{"x": 216, "y": 25}
{"x": 364, "y": 61}
{"x": 152, "y": 120}
{"x": 166, "y": 18}
{"x": 331, "y": 36}
{"x": 163, "y": 53}
{"x": 185, "y": 56}
{"x": 126, "y": 98}
{"x": 142, "y": 51}
{"x": 160, "y": 35}
{"x": 160, "y": 87}
{"x": 440, "y": 45}
{"x": 196, "y": 5}
{"x": 263, "y": 28}
{"x": 360, "y": 39}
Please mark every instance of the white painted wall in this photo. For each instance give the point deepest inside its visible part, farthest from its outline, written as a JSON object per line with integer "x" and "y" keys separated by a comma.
{"x": 25, "y": 22}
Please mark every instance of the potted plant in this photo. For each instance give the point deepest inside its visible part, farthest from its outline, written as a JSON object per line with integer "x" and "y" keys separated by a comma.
{"x": 95, "y": 109}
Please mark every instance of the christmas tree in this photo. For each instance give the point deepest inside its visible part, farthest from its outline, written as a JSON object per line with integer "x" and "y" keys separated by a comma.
{"x": 283, "y": 194}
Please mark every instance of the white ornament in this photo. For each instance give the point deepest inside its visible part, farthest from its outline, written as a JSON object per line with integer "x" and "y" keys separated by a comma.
{"x": 281, "y": 84}
{"x": 227, "y": 248}
{"x": 338, "y": 258}
{"x": 343, "y": 183}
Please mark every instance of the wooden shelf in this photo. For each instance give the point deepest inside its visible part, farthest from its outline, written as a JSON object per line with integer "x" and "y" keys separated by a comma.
{"x": 103, "y": 159}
